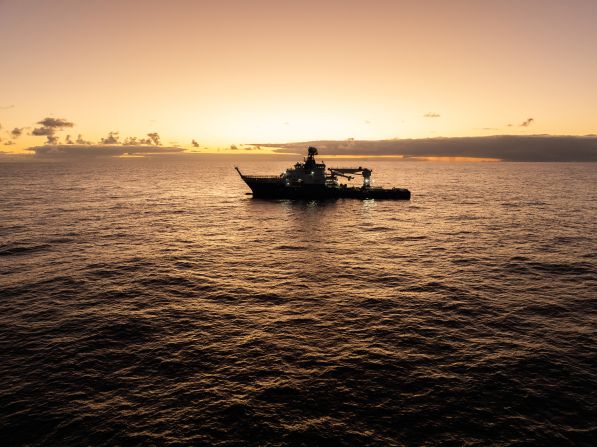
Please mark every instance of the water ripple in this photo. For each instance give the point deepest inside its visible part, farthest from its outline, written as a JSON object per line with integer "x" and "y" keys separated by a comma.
{"x": 150, "y": 302}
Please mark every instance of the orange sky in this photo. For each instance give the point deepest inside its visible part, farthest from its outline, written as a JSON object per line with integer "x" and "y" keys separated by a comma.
{"x": 234, "y": 72}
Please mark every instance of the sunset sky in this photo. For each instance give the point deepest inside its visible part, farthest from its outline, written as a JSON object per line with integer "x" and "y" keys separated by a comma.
{"x": 238, "y": 72}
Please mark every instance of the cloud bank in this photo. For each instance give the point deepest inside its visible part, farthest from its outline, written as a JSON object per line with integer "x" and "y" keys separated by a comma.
{"x": 505, "y": 147}
{"x": 84, "y": 151}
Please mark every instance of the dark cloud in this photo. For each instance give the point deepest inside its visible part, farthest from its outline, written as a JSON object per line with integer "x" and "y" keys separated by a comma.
{"x": 233, "y": 147}
{"x": 9, "y": 143}
{"x": 525, "y": 123}
{"x": 131, "y": 141}
{"x": 42, "y": 131}
{"x": 112, "y": 138}
{"x": 154, "y": 137}
{"x": 16, "y": 132}
{"x": 134, "y": 141}
{"x": 84, "y": 151}
{"x": 504, "y": 147}
{"x": 67, "y": 140}
{"x": 80, "y": 140}
{"x": 7, "y": 107}
{"x": 431, "y": 115}
{"x": 194, "y": 143}
{"x": 55, "y": 123}
{"x": 49, "y": 127}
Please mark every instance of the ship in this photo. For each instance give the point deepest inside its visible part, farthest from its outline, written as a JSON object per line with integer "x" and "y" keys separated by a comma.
{"x": 311, "y": 180}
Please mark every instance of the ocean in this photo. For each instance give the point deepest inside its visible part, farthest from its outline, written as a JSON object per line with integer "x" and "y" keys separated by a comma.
{"x": 150, "y": 301}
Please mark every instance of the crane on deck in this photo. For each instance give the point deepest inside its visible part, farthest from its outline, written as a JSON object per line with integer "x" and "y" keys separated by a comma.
{"x": 343, "y": 172}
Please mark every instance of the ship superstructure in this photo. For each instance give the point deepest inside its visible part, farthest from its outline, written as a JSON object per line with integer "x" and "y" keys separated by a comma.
{"x": 311, "y": 180}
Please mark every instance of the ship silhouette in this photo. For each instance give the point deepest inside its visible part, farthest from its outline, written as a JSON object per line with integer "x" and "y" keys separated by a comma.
{"x": 311, "y": 180}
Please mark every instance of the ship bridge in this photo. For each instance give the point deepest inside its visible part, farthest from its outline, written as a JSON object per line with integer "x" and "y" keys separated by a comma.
{"x": 307, "y": 173}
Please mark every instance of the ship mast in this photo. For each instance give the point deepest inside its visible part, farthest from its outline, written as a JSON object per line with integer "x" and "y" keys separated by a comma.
{"x": 310, "y": 161}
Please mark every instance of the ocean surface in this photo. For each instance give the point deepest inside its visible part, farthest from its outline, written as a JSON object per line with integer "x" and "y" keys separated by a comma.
{"x": 150, "y": 301}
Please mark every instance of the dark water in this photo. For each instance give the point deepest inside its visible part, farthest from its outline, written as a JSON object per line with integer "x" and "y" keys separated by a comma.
{"x": 151, "y": 302}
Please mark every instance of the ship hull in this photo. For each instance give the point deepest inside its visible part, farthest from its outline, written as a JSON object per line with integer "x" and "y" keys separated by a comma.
{"x": 277, "y": 189}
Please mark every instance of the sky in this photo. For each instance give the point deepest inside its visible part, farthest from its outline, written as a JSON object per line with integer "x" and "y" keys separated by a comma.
{"x": 228, "y": 73}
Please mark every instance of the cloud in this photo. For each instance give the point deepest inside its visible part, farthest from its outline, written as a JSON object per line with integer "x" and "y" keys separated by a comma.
{"x": 49, "y": 127}
{"x": 194, "y": 143}
{"x": 504, "y": 147}
{"x": 525, "y": 123}
{"x": 85, "y": 151}
{"x": 134, "y": 141}
{"x": 55, "y": 123}
{"x": 42, "y": 131}
{"x": 112, "y": 138}
{"x": 9, "y": 143}
{"x": 80, "y": 140}
{"x": 7, "y": 107}
{"x": 233, "y": 147}
{"x": 431, "y": 115}
{"x": 16, "y": 132}
{"x": 154, "y": 137}
{"x": 131, "y": 141}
